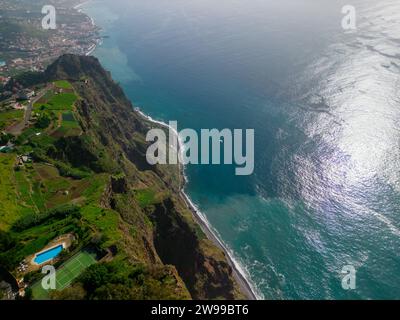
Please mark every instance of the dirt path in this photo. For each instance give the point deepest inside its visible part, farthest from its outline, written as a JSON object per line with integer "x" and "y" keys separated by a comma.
{"x": 17, "y": 129}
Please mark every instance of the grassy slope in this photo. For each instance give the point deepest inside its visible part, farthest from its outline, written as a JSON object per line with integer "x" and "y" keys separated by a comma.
{"x": 9, "y": 117}
{"x": 158, "y": 208}
{"x": 9, "y": 210}
{"x": 63, "y": 84}
{"x": 124, "y": 205}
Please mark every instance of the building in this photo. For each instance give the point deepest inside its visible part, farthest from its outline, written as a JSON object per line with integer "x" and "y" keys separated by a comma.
{"x": 25, "y": 94}
{"x": 21, "y": 96}
{"x": 18, "y": 106}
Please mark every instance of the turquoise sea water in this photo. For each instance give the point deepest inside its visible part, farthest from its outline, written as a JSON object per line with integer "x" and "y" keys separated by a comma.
{"x": 48, "y": 254}
{"x": 324, "y": 104}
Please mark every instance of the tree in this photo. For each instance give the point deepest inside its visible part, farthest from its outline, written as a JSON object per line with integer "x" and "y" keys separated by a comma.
{"x": 6, "y": 241}
{"x": 112, "y": 291}
{"x": 43, "y": 121}
{"x": 75, "y": 292}
{"x": 4, "y": 138}
{"x": 94, "y": 277}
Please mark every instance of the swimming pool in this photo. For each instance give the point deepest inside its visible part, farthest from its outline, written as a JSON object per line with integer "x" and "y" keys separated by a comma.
{"x": 48, "y": 254}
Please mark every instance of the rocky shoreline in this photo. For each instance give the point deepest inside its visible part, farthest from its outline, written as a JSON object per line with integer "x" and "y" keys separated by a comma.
{"x": 238, "y": 272}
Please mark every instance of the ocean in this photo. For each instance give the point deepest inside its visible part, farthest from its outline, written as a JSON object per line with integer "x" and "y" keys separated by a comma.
{"x": 324, "y": 103}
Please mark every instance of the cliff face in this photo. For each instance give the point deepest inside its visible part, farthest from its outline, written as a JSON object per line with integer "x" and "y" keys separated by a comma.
{"x": 146, "y": 197}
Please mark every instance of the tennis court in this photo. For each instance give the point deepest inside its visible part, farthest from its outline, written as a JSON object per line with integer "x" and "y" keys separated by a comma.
{"x": 66, "y": 274}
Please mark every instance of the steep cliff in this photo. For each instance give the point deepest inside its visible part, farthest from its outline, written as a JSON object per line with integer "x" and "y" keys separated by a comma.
{"x": 147, "y": 198}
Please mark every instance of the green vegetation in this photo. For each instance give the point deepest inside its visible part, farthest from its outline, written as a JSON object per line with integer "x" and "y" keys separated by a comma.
{"x": 47, "y": 96}
{"x": 60, "y": 212}
{"x": 61, "y": 101}
{"x": 24, "y": 189}
{"x": 43, "y": 121}
{"x": 57, "y": 109}
{"x": 66, "y": 274}
{"x": 8, "y": 117}
{"x": 68, "y": 117}
{"x": 42, "y": 141}
{"x": 10, "y": 211}
{"x": 145, "y": 197}
{"x": 29, "y": 78}
{"x": 40, "y": 187}
{"x": 69, "y": 126}
{"x": 37, "y": 235}
{"x": 119, "y": 280}
{"x": 20, "y": 192}
{"x": 28, "y": 133}
{"x": 106, "y": 221}
{"x": 11, "y": 115}
{"x": 63, "y": 84}
{"x": 56, "y": 101}
{"x": 96, "y": 185}
{"x": 5, "y": 138}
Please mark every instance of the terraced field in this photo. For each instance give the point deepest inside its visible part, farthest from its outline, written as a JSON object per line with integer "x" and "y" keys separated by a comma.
{"x": 37, "y": 187}
{"x": 56, "y": 101}
{"x": 62, "y": 84}
{"x": 59, "y": 102}
{"x": 9, "y": 209}
{"x": 69, "y": 126}
{"x": 39, "y": 205}
{"x": 9, "y": 117}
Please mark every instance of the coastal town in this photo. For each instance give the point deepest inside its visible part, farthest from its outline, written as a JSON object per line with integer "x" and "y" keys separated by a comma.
{"x": 26, "y": 46}
{"x": 26, "y": 49}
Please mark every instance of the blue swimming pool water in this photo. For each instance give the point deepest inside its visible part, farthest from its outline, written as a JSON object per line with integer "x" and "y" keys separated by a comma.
{"x": 48, "y": 255}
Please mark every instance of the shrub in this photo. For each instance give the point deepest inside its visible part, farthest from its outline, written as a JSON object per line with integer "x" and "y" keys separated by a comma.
{"x": 62, "y": 211}
{"x": 6, "y": 241}
{"x": 43, "y": 121}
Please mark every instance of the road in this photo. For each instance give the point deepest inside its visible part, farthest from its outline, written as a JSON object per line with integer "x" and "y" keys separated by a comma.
{"x": 17, "y": 129}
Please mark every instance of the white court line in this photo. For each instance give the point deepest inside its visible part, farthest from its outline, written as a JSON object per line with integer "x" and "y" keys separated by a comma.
{"x": 62, "y": 287}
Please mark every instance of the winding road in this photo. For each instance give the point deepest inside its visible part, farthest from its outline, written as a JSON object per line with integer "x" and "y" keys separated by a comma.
{"x": 17, "y": 129}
